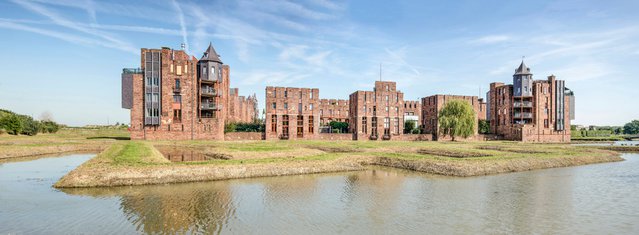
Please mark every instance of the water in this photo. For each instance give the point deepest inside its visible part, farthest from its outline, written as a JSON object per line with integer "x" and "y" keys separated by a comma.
{"x": 592, "y": 199}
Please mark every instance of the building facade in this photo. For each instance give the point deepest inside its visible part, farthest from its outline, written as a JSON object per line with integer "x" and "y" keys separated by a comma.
{"x": 292, "y": 113}
{"x": 377, "y": 114}
{"x": 333, "y": 110}
{"x": 413, "y": 111}
{"x": 431, "y": 106}
{"x": 241, "y": 109}
{"x": 174, "y": 96}
{"x": 531, "y": 110}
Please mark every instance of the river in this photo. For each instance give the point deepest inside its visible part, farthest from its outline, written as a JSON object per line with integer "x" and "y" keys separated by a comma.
{"x": 592, "y": 199}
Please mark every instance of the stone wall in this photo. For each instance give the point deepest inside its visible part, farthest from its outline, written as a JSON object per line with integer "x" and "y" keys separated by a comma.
{"x": 230, "y": 136}
{"x": 335, "y": 136}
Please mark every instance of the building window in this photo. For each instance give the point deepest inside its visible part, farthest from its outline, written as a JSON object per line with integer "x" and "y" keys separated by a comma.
{"x": 212, "y": 70}
{"x": 396, "y": 125}
{"x": 285, "y": 105}
{"x": 310, "y": 94}
{"x": 546, "y": 125}
{"x": 387, "y": 89}
{"x": 274, "y": 105}
{"x": 299, "y": 107}
{"x": 310, "y": 107}
{"x": 311, "y": 124}
{"x": 321, "y": 112}
{"x": 204, "y": 70}
{"x": 364, "y": 125}
{"x": 285, "y": 125}
{"x": 274, "y": 123}
{"x": 386, "y": 109}
{"x": 397, "y": 110}
{"x": 177, "y": 99}
{"x": 300, "y": 94}
{"x": 285, "y": 94}
{"x": 386, "y": 126}
{"x": 387, "y": 98}
{"x": 300, "y": 126}
{"x": 177, "y": 115}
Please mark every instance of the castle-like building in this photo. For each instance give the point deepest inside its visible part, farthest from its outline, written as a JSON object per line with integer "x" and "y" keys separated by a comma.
{"x": 175, "y": 96}
{"x": 531, "y": 110}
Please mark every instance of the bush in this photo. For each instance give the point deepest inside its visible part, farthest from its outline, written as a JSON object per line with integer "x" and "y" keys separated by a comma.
{"x": 11, "y": 123}
{"x": 30, "y": 127}
{"x": 50, "y": 127}
{"x": 415, "y": 131}
{"x": 243, "y": 127}
{"x": 341, "y": 126}
{"x": 484, "y": 127}
{"x": 409, "y": 126}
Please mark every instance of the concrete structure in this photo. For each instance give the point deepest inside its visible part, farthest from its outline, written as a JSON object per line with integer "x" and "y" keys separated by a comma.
{"x": 431, "y": 106}
{"x": 377, "y": 114}
{"x": 174, "y": 96}
{"x": 531, "y": 110}
{"x": 333, "y": 110}
{"x": 292, "y": 113}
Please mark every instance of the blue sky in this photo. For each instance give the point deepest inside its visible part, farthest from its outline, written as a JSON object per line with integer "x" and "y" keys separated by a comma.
{"x": 66, "y": 56}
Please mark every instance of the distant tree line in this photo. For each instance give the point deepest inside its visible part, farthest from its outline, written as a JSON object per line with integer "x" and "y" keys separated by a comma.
{"x": 630, "y": 128}
{"x": 15, "y": 124}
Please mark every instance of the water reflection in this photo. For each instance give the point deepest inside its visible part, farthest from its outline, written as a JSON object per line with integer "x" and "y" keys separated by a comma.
{"x": 593, "y": 199}
{"x": 171, "y": 209}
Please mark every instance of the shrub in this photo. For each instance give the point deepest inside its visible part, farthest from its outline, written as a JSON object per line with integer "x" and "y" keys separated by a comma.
{"x": 50, "y": 127}
{"x": 341, "y": 126}
{"x": 11, "y": 123}
{"x": 484, "y": 127}
{"x": 30, "y": 127}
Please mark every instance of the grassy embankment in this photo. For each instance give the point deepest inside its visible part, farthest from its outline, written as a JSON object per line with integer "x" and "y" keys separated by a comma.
{"x": 144, "y": 162}
{"x": 64, "y": 141}
{"x": 135, "y": 162}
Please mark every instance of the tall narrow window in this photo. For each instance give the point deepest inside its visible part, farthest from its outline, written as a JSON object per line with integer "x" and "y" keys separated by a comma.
{"x": 274, "y": 123}
{"x": 396, "y": 126}
{"x": 311, "y": 124}
{"x": 300, "y": 126}
{"x": 285, "y": 125}
{"x": 364, "y": 125}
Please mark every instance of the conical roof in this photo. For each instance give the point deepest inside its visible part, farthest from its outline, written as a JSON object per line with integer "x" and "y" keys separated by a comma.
{"x": 211, "y": 55}
{"x": 523, "y": 69}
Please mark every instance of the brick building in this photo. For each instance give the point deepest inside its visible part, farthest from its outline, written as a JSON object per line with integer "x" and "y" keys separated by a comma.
{"x": 482, "y": 112}
{"x": 431, "y": 106}
{"x": 292, "y": 113}
{"x": 175, "y": 96}
{"x": 241, "y": 109}
{"x": 377, "y": 114}
{"x": 531, "y": 110}
{"x": 333, "y": 110}
{"x": 413, "y": 111}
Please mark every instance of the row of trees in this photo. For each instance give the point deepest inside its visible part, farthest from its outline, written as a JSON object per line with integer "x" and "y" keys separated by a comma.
{"x": 15, "y": 124}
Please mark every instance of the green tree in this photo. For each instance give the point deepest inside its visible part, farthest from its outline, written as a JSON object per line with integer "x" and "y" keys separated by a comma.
{"x": 50, "y": 127}
{"x": 341, "y": 126}
{"x": 484, "y": 127}
{"x": 409, "y": 125}
{"x": 457, "y": 118}
{"x": 631, "y": 128}
{"x": 29, "y": 126}
{"x": 11, "y": 123}
{"x": 229, "y": 127}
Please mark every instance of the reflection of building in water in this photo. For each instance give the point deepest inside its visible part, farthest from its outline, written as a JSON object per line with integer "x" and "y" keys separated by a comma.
{"x": 178, "y": 208}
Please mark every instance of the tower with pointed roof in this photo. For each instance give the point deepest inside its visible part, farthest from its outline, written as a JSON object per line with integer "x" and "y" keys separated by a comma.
{"x": 522, "y": 81}
{"x": 209, "y": 75}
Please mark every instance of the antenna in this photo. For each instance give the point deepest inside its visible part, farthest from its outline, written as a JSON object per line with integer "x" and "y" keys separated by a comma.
{"x": 380, "y": 72}
{"x": 182, "y": 46}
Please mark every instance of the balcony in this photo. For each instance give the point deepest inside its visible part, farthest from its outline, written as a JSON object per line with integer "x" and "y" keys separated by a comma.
{"x": 523, "y": 115}
{"x": 524, "y": 104}
{"x": 210, "y": 106}
{"x": 205, "y": 79}
{"x": 151, "y": 120}
{"x": 207, "y": 91}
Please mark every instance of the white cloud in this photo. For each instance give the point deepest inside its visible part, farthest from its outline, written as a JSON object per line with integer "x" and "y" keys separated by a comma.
{"x": 180, "y": 14}
{"x": 490, "y": 39}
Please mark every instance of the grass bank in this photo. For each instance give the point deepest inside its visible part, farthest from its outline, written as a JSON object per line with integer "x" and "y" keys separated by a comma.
{"x": 64, "y": 141}
{"x": 139, "y": 162}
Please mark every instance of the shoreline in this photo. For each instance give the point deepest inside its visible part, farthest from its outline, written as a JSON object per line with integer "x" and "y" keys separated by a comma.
{"x": 88, "y": 175}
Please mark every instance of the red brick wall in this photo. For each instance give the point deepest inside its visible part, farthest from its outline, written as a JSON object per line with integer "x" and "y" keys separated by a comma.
{"x": 333, "y": 110}
{"x": 292, "y": 98}
{"x": 385, "y": 101}
{"x": 431, "y": 106}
